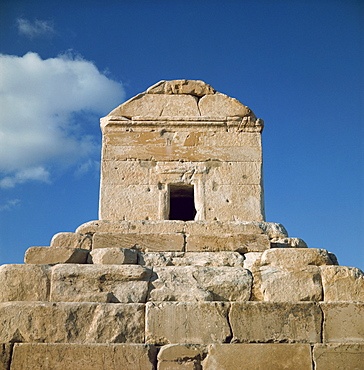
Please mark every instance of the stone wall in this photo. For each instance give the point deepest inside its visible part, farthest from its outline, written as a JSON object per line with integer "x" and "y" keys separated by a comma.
{"x": 144, "y": 300}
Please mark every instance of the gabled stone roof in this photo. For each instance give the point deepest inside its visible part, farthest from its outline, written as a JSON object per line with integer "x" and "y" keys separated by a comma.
{"x": 182, "y": 98}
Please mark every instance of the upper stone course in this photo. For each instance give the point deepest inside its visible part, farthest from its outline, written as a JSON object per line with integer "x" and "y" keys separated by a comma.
{"x": 197, "y": 88}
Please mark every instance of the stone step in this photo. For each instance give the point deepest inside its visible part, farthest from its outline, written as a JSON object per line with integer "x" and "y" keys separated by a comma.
{"x": 238, "y": 356}
{"x": 186, "y": 277}
{"x": 188, "y": 322}
{"x": 273, "y": 230}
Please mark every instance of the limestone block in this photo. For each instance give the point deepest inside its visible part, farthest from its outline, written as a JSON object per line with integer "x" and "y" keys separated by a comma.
{"x": 126, "y": 173}
{"x": 114, "y": 256}
{"x": 288, "y": 243}
{"x": 341, "y": 283}
{"x": 174, "y": 152}
{"x": 212, "y": 172}
{"x": 188, "y": 322}
{"x": 69, "y": 322}
{"x": 188, "y": 137}
{"x": 158, "y": 105}
{"x": 192, "y": 87}
{"x": 141, "y": 242}
{"x": 338, "y": 356}
{"x": 221, "y": 105}
{"x": 99, "y": 283}
{"x": 185, "y": 365}
{"x": 230, "y": 259}
{"x": 158, "y": 258}
{"x": 65, "y": 356}
{"x": 242, "y": 243}
{"x": 133, "y": 226}
{"x": 234, "y": 203}
{"x": 296, "y": 257}
{"x": 273, "y": 283}
{"x": 5, "y": 355}
{"x": 234, "y": 173}
{"x": 200, "y": 283}
{"x": 212, "y": 227}
{"x": 54, "y": 255}
{"x": 181, "y": 356}
{"x": 258, "y": 356}
{"x": 343, "y": 322}
{"x": 139, "y": 137}
{"x": 71, "y": 240}
{"x": 226, "y": 139}
{"x": 275, "y": 322}
{"x": 24, "y": 282}
{"x": 252, "y": 260}
{"x": 136, "y": 202}
{"x": 91, "y": 227}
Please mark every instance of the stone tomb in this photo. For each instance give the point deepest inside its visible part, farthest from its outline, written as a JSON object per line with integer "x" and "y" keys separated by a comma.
{"x": 181, "y": 151}
{"x": 181, "y": 271}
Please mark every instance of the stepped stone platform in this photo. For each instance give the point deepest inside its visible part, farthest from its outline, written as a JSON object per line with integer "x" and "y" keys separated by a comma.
{"x": 177, "y": 277}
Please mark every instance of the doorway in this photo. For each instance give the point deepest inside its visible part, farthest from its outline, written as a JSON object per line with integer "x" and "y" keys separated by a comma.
{"x": 181, "y": 202}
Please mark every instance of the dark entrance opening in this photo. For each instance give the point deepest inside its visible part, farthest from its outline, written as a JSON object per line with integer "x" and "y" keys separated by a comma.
{"x": 181, "y": 202}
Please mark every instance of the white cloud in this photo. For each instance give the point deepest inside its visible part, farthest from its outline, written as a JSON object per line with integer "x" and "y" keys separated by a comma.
{"x": 89, "y": 165}
{"x": 38, "y": 100}
{"x": 10, "y": 204}
{"x": 34, "y": 29}
{"x": 33, "y": 173}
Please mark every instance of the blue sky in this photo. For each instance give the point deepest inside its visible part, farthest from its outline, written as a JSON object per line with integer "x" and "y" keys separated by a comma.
{"x": 298, "y": 64}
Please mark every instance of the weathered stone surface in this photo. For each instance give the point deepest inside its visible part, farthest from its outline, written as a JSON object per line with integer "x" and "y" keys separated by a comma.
{"x": 273, "y": 283}
{"x": 338, "y": 356}
{"x": 71, "y": 240}
{"x": 234, "y": 202}
{"x": 197, "y": 88}
{"x": 188, "y": 138}
{"x": 288, "y": 243}
{"x": 188, "y": 322}
{"x": 140, "y": 242}
{"x": 221, "y": 105}
{"x": 181, "y": 356}
{"x": 155, "y": 105}
{"x": 231, "y": 259}
{"x": 5, "y": 355}
{"x": 295, "y": 257}
{"x": 113, "y": 256}
{"x": 99, "y": 283}
{"x": 252, "y": 260}
{"x": 213, "y": 227}
{"x": 61, "y": 356}
{"x": 275, "y": 322}
{"x": 24, "y": 282}
{"x": 258, "y": 356}
{"x": 54, "y": 255}
{"x": 137, "y": 202}
{"x": 341, "y": 283}
{"x": 158, "y": 258}
{"x": 218, "y": 228}
{"x": 175, "y": 152}
{"x": 241, "y": 243}
{"x": 134, "y": 226}
{"x": 47, "y": 322}
{"x": 343, "y": 322}
{"x": 133, "y": 172}
{"x": 200, "y": 283}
